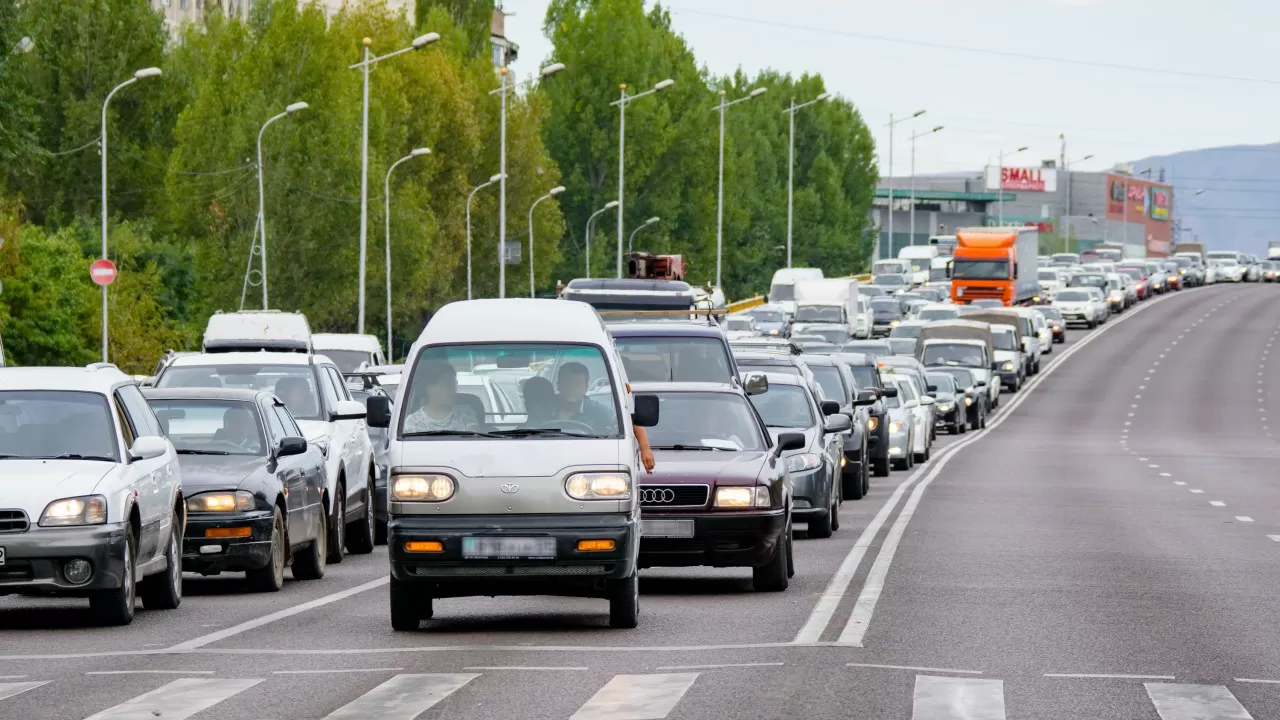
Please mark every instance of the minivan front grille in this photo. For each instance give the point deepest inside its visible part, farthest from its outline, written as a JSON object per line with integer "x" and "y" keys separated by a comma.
{"x": 14, "y": 521}
{"x": 674, "y": 496}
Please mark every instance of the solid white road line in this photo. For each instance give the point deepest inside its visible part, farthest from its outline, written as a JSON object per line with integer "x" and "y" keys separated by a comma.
{"x": 529, "y": 667}
{"x": 721, "y": 665}
{"x": 177, "y": 700}
{"x": 1217, "y": 503}
{"x": 1244, "y": 518}
{"x": 337, "y": 671}
{"x": 8, "y": 690}
{"x": 946, "y": 698}
{"x": 151, "y": 672}
{"x": 1108, "y": 676}
{"x": 1255, "y": 680}
{"x": 1176, "y": 701}
{"x": 914, "y": 668}
{"x": 403, "y": 697}
{"x": 637, "y": 697}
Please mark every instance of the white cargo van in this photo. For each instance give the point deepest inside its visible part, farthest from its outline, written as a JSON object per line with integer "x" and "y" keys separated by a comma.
{"x": 349, "y": 351}
{"x": 250, "y": 330}
{"x": 920, "y": 258}
{"x": 486, "y": 503}
{"x": 824, "y": 303}
{"x": 782, "y": 288}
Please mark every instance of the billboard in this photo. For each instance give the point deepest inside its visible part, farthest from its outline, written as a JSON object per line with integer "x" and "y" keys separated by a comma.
{"x": 1022, "y": 179}
{"x": 1161, "y": 199}
{"x": 1139, "y": 201}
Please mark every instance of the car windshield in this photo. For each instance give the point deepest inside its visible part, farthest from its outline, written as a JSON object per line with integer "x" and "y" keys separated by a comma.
{"x": 295, "y": 385}
{"x": 889, "y": 280}
{"x": 870, "y": 347}
{"x": 784, "y": 406}
{"x": 675, "y": 359}
{"x": 938, "y": 273}
{"x": 702, "y": 420}
{"x": 1049, "y": 312}
{"x": 864, "y": 376}
{"x": 834, "y": 335}
{"x": 964, "y": 355}
{"x": 211, "y": 427}
{"x": 738, "y": 323}
{"x": 566, "y": 391}
{"x": 1048, "y": 275}
{"x": 1004, "y": 339}
{"x": 905, "y": 331}
{"x": 939, "y": 313}
{"x": 819, "y": 314}
{"x": 902, "y": 346}
{"x": 980, "y": 269}
{"x": 963, "y": 378}
{"x": 782, "y": 293}
{"x": 56, "y": 424}
{"x": 830, "y": 382}
{"x": 768, "y": 316}
{"x": 886, "y": 308}
{"x": 1089, "y": 281}
{"x": 871, "y": 291}
{"x": 944, "y": 383}
{"x": 348, "y": 361}
{"x": 1073, "y": 296}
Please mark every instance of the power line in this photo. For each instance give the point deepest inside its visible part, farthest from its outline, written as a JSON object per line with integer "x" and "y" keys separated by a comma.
{"x": 85, "y": 146}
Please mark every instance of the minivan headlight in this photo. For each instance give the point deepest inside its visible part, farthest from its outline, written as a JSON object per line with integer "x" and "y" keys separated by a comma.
{"x": 742, "y": 497}
{"x": 1008, "y": 367}
{"x": 422, "y": 488}
{"x": 598, "y": 486}
{"x": 804, "y": 462}
{"x": 221, "y": 502}
{"x": 84, "y": 510}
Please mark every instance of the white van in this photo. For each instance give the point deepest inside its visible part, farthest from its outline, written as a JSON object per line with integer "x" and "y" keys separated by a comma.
{"x": 544, "y": 502}
{"x": 349, "y": 351}
{"x": 920, "y": 258}
{"x": 822, "y": 304}
{"x": 250, "y": 330}
{"x": 782, "y": 289}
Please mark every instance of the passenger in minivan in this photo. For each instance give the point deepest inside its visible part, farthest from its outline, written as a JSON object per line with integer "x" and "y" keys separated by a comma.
{"x": 539, "y": 399}
{"x": 440, "y": 410}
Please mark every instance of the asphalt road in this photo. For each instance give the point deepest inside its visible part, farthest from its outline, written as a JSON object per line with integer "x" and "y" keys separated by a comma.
{"x": 1107, "y": 549}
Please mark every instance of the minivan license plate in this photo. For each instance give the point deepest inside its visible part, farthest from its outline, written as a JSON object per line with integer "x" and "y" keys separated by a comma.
{"x": 1, "y": 556}
{"x": 506, "y": 548}
{"x": 667, "y": 528}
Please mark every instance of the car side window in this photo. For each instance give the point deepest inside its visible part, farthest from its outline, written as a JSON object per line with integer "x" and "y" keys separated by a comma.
{"x": 339, "y": 385}
{"x": 327, "y": 389}
{"x": 123, "y": 420}
{"x": 290, "y": 427}
{"x": 141, "y": 419}
{"x": 275, "y": 428}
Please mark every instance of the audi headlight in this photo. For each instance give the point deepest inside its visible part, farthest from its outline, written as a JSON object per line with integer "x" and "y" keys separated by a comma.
{"x": 895, "y": 427}
{"x": 873, "y": 423}
{"x": 1008, "y": 367}
{"x": 742, "y": 497}
{"x": 84, "y": 510}
{"x": 968, "y": 402}
{"x": 804, "y": 462}
{"x": 238, "y": 501}
{"x": 422, "y": 488}
{"x": 598, "y": 486}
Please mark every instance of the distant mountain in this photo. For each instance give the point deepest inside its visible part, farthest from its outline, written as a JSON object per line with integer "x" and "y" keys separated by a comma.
{"x": 1240, "y": 206}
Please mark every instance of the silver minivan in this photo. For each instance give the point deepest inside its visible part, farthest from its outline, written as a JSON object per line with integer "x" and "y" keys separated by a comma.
{"x": 537, "y": 503}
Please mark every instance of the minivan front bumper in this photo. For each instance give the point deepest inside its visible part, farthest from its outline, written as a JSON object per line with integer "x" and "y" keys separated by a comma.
{"x": 571, "y": 573}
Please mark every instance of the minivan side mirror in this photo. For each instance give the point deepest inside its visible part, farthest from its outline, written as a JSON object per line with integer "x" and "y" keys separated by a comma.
{"x": 646, "y": 412}
{"x": 378, "y": 411}
{"x": 756, "y": 384}
{"x": 291, "y": 446}
{"x": 865, "y": 397}
{"x": 789, "y": 441}
{"x": 830, "y": 407}
{"x": 889, "y": 392}
{"x": 348, "y": 410}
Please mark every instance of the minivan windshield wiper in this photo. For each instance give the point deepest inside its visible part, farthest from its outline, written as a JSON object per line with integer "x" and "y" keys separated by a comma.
{"x": 72, "y": 456}
{"x": 454, "y": 433}
{"x": 690, "y": 447}
{"x": 542, "y": 432}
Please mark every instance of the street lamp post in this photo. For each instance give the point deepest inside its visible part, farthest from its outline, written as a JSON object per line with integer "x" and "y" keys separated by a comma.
{"x": 365, "y": 66}
{"x": 477, "y": 189}
{"x": 791, "y": 158}
{"x": 587, "y": 240}
{"x": 622, "y": 103}
{"x": 912, "y": 212}
{"x": 1000, "y": 180}
{"x": 550, "y": 194}
{"x": 875, "y": 252}
{"x": 262, "y": 218}
{"x": 139, "y": 75}
{"x": 503, "y": 91}
{"x": 386, "y": 194}
{"x": 1066, "y": 223}
{"x": 651, "y": 221}
{"x": 722, "y": 107}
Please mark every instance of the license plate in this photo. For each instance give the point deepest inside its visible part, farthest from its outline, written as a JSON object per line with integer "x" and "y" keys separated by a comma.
{"x": 509, "y": 548}
{"x": 1, "y": 556}
{"x": 667, "y": 528}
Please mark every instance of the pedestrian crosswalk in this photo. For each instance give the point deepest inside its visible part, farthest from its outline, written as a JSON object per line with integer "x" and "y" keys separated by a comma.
{"x": 637, "y": 696}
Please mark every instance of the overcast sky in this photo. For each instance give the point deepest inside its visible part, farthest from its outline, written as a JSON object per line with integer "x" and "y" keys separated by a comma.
{"x": 973, "y": 65}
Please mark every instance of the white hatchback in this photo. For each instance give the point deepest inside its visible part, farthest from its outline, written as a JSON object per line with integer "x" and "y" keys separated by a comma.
{"x": 90, "y": 492}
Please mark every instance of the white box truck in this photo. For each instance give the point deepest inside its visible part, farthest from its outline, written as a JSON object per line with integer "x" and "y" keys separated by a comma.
{"x": 820, "y": 304}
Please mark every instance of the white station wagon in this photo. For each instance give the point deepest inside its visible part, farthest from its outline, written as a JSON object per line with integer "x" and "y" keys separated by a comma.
{"x": 90, "y": 492}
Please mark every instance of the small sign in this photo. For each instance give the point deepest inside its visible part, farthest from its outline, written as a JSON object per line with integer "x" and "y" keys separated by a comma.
{"x": 511, "y": 253}
{"x": 102, "y": 272}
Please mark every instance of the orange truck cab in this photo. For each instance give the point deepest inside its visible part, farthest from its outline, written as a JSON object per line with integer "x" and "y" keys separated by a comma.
{"x": 996, "y": 264}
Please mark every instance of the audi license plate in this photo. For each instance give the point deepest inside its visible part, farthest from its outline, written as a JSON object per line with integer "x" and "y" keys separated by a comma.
{"x": 667, "y": 528}
{"x": 509, "y": 548}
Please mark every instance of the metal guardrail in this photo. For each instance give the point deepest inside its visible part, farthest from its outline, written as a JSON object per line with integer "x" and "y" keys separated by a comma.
{"x": 741, "y": 305}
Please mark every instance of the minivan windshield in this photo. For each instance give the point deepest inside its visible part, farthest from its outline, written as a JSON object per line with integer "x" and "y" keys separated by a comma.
{"x": 1004, "y": 339}
{"x": 48, "y": 424}
{"x": 566, "y": 389}
{"x": 675, "y": 359}
{"x": 819, "y": 314}
{"x": 210, "y": 427}
{"x": 963, "y": 355}
{"x": 705, "y": 421}
{"x": 295, "y": 385}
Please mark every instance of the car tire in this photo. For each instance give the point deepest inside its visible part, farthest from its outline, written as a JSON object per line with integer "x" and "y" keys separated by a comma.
{"x": 789, "y": 534}
{"x": 982, "y": 422}
{"x": 851, "y": 484}
{"x": 820, "y": 526}
{"x": 835, "y": 516}
{"x": 270, "y": 578}
{"x": 380, "y": 533}
{"x": 338, "y": 526}
{"x": 116, "y": 606}
{"x": 624, "y": 601}
{"x": 310, "y": 563}
{"x": 775, "y": 575}
{"x": 900, "y": 465}
{"x": 866, "y": 477}
{"x": 361, "y": 541}
{"x": 1091, "y": 324}
{"x": 881, "y": 467}
{"x": 408, "y": 608}
{"x": 163, "y": 590}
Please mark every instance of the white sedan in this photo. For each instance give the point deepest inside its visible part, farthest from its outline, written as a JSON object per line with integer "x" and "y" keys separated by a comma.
{"x": 1084, "y": 306}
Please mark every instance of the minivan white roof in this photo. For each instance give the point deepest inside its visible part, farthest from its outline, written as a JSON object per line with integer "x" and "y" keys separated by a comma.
{"x": 515, "y": 320}
{"x": 247, "y": 358}
{"x": 258, "y": 328}
{"x": 345, "y": 341}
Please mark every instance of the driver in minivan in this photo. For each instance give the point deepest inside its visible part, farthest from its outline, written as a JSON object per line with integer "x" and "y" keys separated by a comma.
{"x": 572, "y": 403}
{"x": 439, "y": 410}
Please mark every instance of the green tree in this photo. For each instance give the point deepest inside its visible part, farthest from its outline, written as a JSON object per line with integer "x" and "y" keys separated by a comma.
{"x": 473, "y": 17}
{"x": 17, "y": 105}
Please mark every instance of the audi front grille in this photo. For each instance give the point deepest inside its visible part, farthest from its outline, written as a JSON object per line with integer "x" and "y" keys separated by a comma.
{"x": 13, "y": 521}
{"x": 674, "y": 496}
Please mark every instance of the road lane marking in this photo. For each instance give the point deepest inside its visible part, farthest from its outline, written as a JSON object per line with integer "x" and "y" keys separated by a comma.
{"x": 1142, "y": 459}
{"x": 278, "y": 615}
{"x": 1255, "y": 680}
{"x": 1165, "y": 474}
{"x": 944, "y": 698}
{"x": 1197, "y": 492}
{"x": 152, "y": 672}
{"x": 1217, "y": 503}
{"x": 717, "y": 666}
{"x": 1178, "y": 701}
{"x": 1244, "y": 518}
{"x": 637, "y": 697}
{"x": 1154, "y": 467}
{"x": 8, "y": 690}
{"x": 403, "y": 697}
{"x": 13, "y": 677}
{"x": 1108, "y": 676}
{"x": 336, "y": 671}
{"x": 913, "y": 668}
{"x": 528, "y": 667}
{"x": 1275, "y": 538}
{"x": 177, "y": 700}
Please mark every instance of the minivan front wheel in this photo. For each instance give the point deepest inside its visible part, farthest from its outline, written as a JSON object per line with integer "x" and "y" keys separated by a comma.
{"x": 408, "y": 608}
{"x": 624, "y": 601}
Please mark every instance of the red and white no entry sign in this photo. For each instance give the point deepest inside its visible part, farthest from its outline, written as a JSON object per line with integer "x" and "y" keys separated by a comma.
{"x": 102, "y": 272}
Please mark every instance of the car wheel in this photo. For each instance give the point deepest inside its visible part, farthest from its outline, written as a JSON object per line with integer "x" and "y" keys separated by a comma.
{"x": 775, "y": 576}
{"x": 820, "y": 526}
{"x": 408, "y": 608}
{"x": 163, "y": 591}
{"x": 270, "y": 578}
{"x": 338, "y": 526}
{"x": 851, "y": 483}
{"x": 361, "y": 540}
{"x": 835, "y": 516}
{"x": 789, "y": 534}
{"x": 115, "y": 607}
{"x": 310, "y": 563}
{"x": 624, "y": 601}
{"x": 982, "y": 421}
{"x": 380, "y": 533}
{"x": 900, "y": 465}
{"x": 866, "y": 475}
{"x": 881, "y": 467}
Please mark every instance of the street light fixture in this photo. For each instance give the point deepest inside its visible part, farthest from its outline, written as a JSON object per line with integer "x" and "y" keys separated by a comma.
{"x": 478, "y": 188}
{"x": 587, "y": 244}
{"x": 262, "y": 218}
{"x": 365, "y": 66}
{"x": 1000, "y": 179}
{"x": 791, "y": 158}
{"x": 875, "y": 253}
{"x": 139, "y": 75}
{"x": 651, "y": 221}
{"x": 722, "y": 107}
{"x": 550, "y": 194}
{"x": 386, "y": 194}
{"x": 503, "y": 91}
{"x": 622, "y": 103}
{"x": 912, "y": 213}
